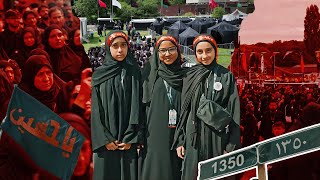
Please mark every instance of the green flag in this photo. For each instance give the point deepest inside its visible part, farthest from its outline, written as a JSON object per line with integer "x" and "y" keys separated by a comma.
{"x": 49, "y": 141}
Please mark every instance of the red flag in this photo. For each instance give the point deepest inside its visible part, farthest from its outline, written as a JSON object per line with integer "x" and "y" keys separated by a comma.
{"x": 302, "y": 63}
{"x": 212, "y": 4}
{"x": 241, "y": 87}
{"x": 102, "y": 4}
{"x": 244, "y": 62}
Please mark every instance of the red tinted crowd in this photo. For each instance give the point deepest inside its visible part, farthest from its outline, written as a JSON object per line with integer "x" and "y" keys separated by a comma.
{"x": 41, "y": 53}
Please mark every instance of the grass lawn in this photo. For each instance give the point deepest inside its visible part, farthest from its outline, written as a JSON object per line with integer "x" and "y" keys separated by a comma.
{"x": 224, "y": 57}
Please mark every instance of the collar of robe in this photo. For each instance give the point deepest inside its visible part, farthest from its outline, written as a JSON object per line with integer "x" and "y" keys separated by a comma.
{"x": 172, "y": 74}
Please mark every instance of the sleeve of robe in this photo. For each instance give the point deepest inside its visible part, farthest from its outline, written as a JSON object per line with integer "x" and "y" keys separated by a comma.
{"x": 134, "y": 132}
{"x": 100, "y": 134}
{"x": 181, "y": 130}
{"x": 234, "y": 110}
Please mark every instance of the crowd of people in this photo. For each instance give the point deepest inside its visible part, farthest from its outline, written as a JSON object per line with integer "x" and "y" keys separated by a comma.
{"x": 141, "y": 47}
{"x": 263, "y": 107}
{"x": 41, "y": 53}
{"x": 268, "y": 112}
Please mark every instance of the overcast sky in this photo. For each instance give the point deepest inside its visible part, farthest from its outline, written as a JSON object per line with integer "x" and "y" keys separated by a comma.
{"x": 275, "y": 20}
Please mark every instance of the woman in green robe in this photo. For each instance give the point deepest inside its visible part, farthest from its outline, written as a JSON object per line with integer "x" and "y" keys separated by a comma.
{"x": 161, "y": 95}
{"x": 115, "y": 114}
{"x": 209, "y": 123}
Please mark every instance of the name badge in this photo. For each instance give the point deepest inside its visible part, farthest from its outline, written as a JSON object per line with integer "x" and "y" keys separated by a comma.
{"x": 217, "y": 86}
{"x": 172, "y": 118}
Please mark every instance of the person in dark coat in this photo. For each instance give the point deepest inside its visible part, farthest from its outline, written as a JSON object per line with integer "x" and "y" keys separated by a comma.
{"x": 78, "y": 48}
{"x": 44, "y": 90}
{"x": 6, "y": 89}
{"x": 249, "y": 122}
{"x": 209, "y": 124}
{"x": 30, "y": 20}
{"x": 10, "y": 38}
{"x": 269, "y": 118}
{"x": 56, "y": 16}
{"x": 116, "y": 112}
{"x": 162, "y": 95}
{"x": 65, "y": 63}
{"x": 43, "y": 22}
{"x": 29, "y": 42}
{"x": 11, "y": 68}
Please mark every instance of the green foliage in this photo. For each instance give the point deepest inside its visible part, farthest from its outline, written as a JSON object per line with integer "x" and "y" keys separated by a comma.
{"x": 250, "y": 1}
{"x": 311, "y": 29}
{"x": 176, "y": 2}
{"x": 147, "y": 9}
{"x": 188, "y": 14}
{"x": 126, "y": 12}
{"x": 218, "y": 12}
{"x": 89, "y": 9}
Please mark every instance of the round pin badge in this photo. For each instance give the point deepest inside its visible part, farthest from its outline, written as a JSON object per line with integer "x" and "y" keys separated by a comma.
{"x": 217, "y": 86}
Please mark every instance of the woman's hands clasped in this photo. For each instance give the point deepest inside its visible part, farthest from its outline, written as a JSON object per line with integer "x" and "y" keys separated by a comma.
{"x": 116, "y": 145}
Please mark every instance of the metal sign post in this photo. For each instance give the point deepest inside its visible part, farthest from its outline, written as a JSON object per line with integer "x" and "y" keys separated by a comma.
{"x": 228, "y": 164}
{"x": 296, "y": 143}
{"x": 289, "y": 145}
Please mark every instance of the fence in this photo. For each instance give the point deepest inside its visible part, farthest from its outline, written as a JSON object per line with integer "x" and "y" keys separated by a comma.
{"x": 152, "y": 33}
{"x": 226, "y": 45}
{"x": 188, "y": 53}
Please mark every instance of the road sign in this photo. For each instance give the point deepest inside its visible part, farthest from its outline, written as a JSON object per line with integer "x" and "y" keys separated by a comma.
{"x": 290, "y": 145}
{"x": 228, "y": 164}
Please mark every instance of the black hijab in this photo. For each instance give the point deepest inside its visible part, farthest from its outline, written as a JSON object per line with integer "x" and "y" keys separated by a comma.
{"x": 36, "y": 39}
{"x": 79, "y": 50}
{"x": 155, "y": 68}
{"x": 74, "y": 47}
{"x": 30, "y": 70}
{"x": 65, "y": 63}
{"x": 23, "y": 53}
{"x": 111, "y": 67}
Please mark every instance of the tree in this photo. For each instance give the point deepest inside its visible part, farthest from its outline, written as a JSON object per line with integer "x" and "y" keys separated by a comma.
{"x": 147, "y": 9}
{"x": 126, "y": 12}
{"x": 177, "y": 2}
{"x": 250, "y": 1}
{"x": 311, "y": 30}
{"x": 218, "y": 12}
{"x": 89, "y": 9}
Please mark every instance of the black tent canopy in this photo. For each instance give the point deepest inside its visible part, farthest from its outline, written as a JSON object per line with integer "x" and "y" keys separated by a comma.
{"x": 177, "y": 28}
{"x": 223, "y": 32}
{"x": 169, "y": 21}
{"x": 157, "y": 26}
{"x": 187, "y": 36}
{"x": 198, "y": 25}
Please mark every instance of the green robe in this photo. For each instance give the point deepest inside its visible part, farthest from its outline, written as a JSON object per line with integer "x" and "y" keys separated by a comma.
{"x": 116, "y": 110}
{"x": 159, "y": 162}
{"x": 201, "y": 139}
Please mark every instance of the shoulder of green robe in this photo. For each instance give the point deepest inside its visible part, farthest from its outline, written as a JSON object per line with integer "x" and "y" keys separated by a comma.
{"x": 226, "y": 73}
